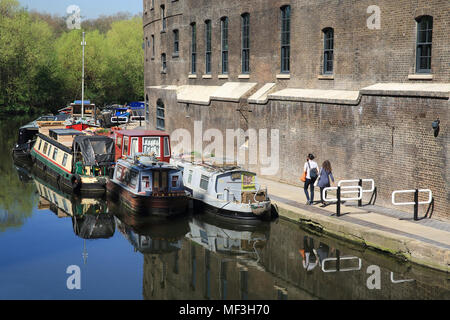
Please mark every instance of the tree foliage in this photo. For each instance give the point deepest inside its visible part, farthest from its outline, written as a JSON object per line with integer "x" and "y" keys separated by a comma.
{"x": 41, "y": 60}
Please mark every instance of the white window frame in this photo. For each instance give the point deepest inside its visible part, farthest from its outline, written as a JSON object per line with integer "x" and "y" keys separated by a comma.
{"x": 150, "y": 145}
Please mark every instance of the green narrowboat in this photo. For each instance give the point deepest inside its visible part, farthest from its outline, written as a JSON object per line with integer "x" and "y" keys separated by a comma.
{"x": 75, "y": 161}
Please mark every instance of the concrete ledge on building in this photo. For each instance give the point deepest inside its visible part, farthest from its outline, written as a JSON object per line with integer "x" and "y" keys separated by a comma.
{"x": 325, "y": 77}
{"x": 196, "y": 94}
{"x": 316, "y": 95}
{"x": 192, "y": 76}
{"x": 207, "y": 76}
{"x": 284, "y": 76}
{"x": 222, "y": 76}
{"x": 233, "y": 91}
{"x": 419, "y": 76}
{"x": 244, "y": 76}
{"x": 429, "y": 90}
{"x": 260, "y": 96}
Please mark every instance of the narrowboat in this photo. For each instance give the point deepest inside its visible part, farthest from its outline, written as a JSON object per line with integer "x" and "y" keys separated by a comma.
{"x": 132, "y": 142}
{"x": 145, "y": 185}
{"x": 76, "y": 162}
{"x": 228, "y": 191}
{"x": 27, "y": 136}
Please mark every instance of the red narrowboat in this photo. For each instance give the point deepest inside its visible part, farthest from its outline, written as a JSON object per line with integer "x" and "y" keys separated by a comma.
{"x": 132, "y": 142}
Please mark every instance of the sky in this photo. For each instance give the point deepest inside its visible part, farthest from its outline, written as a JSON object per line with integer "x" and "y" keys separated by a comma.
{"x": 90, "y": 9}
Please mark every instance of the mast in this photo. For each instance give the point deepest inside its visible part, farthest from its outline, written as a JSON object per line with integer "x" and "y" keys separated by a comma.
{"x": 83, "y": 44}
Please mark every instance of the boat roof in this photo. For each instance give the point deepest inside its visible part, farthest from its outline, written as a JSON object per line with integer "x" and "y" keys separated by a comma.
{"x": 143, "y": 133}
{"x": 66, "y": 132}
{"x": 145, "y": 166}
{"x": 215, "y": 169}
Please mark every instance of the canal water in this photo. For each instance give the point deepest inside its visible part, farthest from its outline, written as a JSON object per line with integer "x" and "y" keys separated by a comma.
{"x": 56, "y": 246}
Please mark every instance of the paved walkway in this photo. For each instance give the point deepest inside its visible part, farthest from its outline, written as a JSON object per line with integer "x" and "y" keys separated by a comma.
{"x": 394, "y": 225}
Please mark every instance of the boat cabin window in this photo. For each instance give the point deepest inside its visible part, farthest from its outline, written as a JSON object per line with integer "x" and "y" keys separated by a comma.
{"x": 190, "y": 176}
{"x": 166, "y": 147}
{"x": 145, "y": 183}
{"x": 40, "y": 144}
{"x": 119, "y": 172}
{"x": 134, "y": 146}
{"x": 175, "y": 181}
{"x": 55, "y": 154}
{"x": 133, "y": 179}
{"x": 125, "y": 146}
{"x": 204, "y": 182}
{"x": 119, "y": 142}
{"x": 45, "y": 148}
{"x": 64, "y": 162}
{"x": 49, "y": 151}
{"x": 150, "y": 145}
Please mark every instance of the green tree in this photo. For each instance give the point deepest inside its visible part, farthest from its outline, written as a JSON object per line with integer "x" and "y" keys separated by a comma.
{"x": 125, "y": 61}
{"x": 26, "y": 53}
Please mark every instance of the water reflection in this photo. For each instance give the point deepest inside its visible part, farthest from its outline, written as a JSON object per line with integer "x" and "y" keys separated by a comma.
{"x": 16, "y": 194}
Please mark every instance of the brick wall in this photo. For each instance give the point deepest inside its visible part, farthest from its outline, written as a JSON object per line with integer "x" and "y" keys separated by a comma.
{"x": 362, "y": 56}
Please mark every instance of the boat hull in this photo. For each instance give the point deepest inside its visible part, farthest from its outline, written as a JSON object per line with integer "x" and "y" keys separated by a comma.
{"x": 163, "y": 207}
{"x": 232, "y": 216}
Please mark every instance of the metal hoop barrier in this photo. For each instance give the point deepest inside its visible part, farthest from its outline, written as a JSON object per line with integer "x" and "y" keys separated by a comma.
{"x": 119, "y": 120}
{"x": 416, "y": 202}
{"x": 339, "y": 199}
{"x": 137, "y": 118}
{"x": 338, "y": 260}
{"x": 359, "y": 182}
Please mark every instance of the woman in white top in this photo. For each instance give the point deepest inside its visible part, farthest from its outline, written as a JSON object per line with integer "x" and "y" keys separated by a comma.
{"x": 312, "y": 173}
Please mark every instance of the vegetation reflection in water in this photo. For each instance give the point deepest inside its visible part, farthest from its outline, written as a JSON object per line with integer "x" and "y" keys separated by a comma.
{"x": 200, "y": 257}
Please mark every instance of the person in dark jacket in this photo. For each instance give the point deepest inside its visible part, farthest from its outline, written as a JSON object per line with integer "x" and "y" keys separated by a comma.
{"x": 324, "y": 179}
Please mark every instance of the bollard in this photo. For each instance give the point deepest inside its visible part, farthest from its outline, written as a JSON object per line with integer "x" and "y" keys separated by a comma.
{"x": 338, "y": 204}
{"x": 360, "y": 200}
{"x": 416, "y": 205}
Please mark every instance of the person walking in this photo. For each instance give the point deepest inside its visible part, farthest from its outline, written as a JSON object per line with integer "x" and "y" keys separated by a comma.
{"x": 312, "y": 173}
{"x": 324, "y": 179}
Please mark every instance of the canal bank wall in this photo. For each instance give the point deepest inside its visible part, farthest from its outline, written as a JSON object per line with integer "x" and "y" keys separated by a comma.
{"x": 382, "y": 132}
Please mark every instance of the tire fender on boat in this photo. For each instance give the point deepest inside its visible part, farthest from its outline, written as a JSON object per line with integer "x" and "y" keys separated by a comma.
{"x": 76, "y": 181}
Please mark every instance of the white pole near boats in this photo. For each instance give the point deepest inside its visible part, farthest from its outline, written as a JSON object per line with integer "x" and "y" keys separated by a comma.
{"x": 83, "y": 44}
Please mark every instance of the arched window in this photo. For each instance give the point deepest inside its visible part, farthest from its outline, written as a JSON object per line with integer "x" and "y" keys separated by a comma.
{"x": 424, "y": 44}
{"x": 224, "y": 40}
{"x": 328, "y": 50}
{"x": 160, "y": 115}
{"x": 208, "y": 48}
{"x": 193, "y": 48}
{"x": 285, "y": 38}
{"x": 245, "y": 36}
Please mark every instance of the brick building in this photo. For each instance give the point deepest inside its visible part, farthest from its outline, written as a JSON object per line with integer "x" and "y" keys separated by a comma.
{"x": 355, "y": 82}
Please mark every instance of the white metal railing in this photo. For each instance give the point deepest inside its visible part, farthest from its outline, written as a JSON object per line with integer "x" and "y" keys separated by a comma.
{"x": 371, "y": 181}
{"x": 430, "y": 197}
{"x": 119, "y": 120}
{"x": 356, "y": 268}
{"x": 353, "y": 189}
{"x": 416, "y": 203}
{"x": 137, "y": 118}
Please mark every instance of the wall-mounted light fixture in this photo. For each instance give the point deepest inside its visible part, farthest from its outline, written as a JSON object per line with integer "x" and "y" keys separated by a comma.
{"x": 436, "y": 127}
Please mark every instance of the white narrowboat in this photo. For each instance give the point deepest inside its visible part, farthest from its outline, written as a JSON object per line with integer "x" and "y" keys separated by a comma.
{"x": 230, "y": 192}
